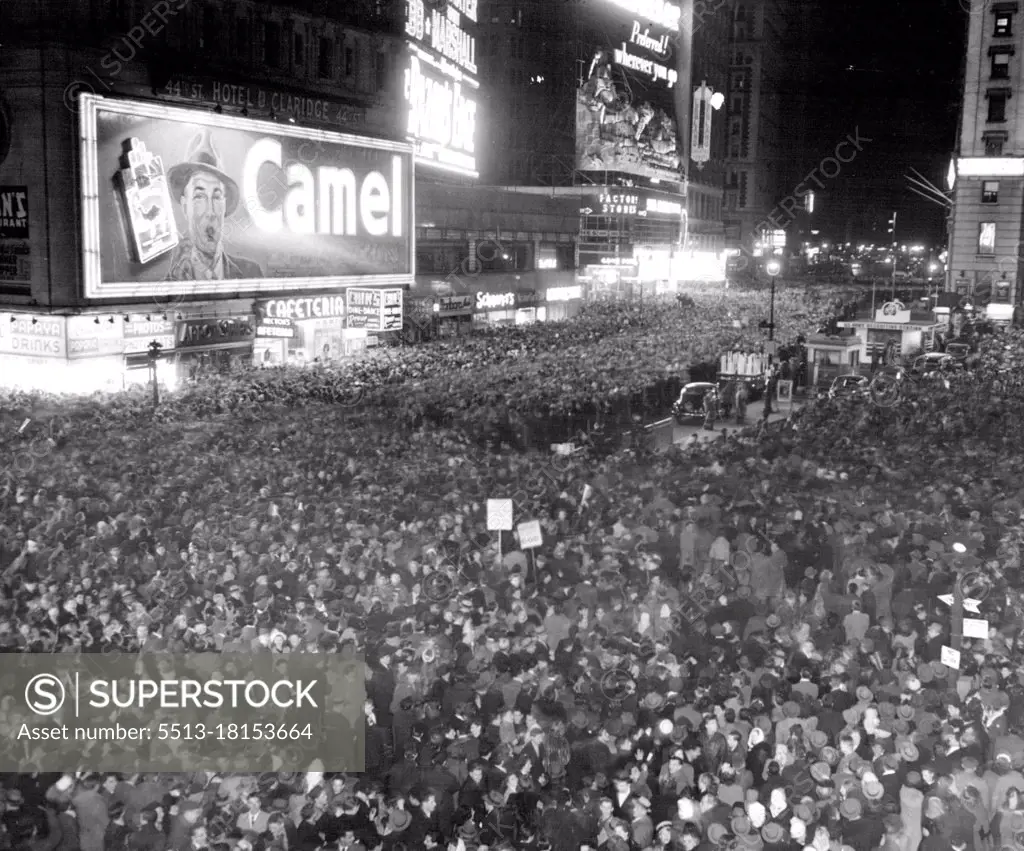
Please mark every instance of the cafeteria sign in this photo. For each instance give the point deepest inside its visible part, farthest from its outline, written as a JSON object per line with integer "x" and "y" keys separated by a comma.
{"x": 374, "y": 309}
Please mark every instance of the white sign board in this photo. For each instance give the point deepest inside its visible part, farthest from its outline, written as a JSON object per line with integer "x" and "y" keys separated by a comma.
{"x": 969, "y": 604}
{"x": 499, "y": 515}
{"x": 975, "y": 628}
{"x": 530, "y": 535}
{"x": 950, "y": 658}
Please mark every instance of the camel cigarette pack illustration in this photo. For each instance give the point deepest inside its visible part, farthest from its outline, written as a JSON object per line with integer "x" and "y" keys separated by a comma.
{"x": 147, "y": 203}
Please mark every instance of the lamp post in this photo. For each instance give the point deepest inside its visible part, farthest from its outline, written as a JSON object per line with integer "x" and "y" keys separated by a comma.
{"x": 892, "y": 230}
{"x": 154, "y": 356}
{"x": 773, "y": 268}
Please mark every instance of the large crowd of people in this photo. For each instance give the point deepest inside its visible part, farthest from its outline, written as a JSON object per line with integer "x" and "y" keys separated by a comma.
{"x": 733, "y": 645}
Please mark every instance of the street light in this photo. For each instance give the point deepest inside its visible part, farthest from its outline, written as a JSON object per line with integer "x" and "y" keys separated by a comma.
{"x": 772, "y": 268}
{"x": 153, "y": 353}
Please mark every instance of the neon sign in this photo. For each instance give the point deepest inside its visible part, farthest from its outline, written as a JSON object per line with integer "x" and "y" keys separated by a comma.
{"x": 652, "y": 69}
{"x": 616, "y": 203}
{"x": 440, "y": 83}
{"x": 332, "y": 202}
{"x": 489, "y": 301}
{"x": 442, "y": 32}
{"x": 658, "y": 12}
{"x": 442, "y": 117}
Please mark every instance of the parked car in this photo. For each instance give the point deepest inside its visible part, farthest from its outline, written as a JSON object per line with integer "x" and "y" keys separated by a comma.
{"x": 848, "y": 385}
{"x": 960, "y": 351}
{"x": 690, "y": 404}
{"x": 935, "y": 364}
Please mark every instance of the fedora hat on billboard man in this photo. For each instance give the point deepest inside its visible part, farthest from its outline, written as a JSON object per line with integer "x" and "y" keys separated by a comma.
{"x": 206, "y": 195}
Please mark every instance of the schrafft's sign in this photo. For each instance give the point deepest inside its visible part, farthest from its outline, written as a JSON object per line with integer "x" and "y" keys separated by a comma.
{"x": 222, "y": 205}
{"x": 13, "y": 212}
{"x": 495, "y": 301}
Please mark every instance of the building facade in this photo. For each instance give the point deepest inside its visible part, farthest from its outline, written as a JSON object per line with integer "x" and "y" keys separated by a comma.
{"x": 761, "y": 137}
{"x": 590, "y": 103}
{"x": 492, "y": 256}
{"x": 985, "y": 234}
{"x": 234, "y": 181}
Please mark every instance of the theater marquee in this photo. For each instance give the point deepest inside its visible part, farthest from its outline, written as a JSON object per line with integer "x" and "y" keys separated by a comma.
{"x": 178, "y": 201}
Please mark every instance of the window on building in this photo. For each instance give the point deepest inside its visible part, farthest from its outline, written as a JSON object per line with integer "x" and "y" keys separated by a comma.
{"x": 440, "y": 259}
{"x": 990, "y": 192}
{"x": 1003, "y": 24}
{"x": 1001, "y": 66}
{"x": 510, "y": 259}
{"x": 1001, "y": 292}
{"x": 299, "y": 50}
{"x": 209, "y": 29}
{"x": 997, "y": 106}
{"x": 994, "y": 144}
{"x": 325, "y": 59}
{"x": 350, "y": 61}
{"x": 987, "y": 238}
{"x": 380, "y": 70}
{"x": 272, "y": 44}
{"x": 117, "y": 12}
{"x": 242, "y": 39}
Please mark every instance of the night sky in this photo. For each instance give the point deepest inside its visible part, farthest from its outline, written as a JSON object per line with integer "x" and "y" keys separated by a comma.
{"x": 892, "y": 68}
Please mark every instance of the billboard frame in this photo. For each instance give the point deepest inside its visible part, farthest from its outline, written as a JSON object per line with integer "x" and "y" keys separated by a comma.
{"x": 95, "y": 289}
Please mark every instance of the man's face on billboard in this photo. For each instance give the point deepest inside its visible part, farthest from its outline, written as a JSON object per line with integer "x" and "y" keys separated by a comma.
{"x": 204, "y": 203}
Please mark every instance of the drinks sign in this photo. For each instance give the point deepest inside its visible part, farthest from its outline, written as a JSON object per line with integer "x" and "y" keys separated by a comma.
{"x": 211, "y": 204}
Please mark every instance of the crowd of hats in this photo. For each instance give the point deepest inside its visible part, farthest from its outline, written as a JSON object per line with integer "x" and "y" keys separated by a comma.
{"x": 732, "y": 645}
{"x": 600, "y": 361}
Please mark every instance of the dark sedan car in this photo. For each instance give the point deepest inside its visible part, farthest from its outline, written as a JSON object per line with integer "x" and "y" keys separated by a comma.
{"x": 690, "y": 404}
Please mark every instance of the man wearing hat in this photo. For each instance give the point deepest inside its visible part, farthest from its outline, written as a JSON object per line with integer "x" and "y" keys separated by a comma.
{"x": 968, "y": 776}
{"x": 180, "y": 833}
{"x": 206, "y": 195}
{"x": 859, "y": 832}
{"x": 641, "y": 829}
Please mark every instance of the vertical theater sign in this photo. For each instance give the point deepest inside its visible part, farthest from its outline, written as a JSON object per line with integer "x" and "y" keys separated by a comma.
{"x": 178, "y": 201}
{"x": 440, "y": 84}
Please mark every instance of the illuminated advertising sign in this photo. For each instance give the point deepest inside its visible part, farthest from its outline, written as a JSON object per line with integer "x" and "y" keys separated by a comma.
{"x": 442, "y": 116}
{"x": 660, "y": 12}
{"x": 374, "y": 310}
{"x": 565, "y": 293}
{"x": 177, "y": 201}
{"x": 441, "y": 31}
{"x": 615, "y": 201}
{"x": 214, "y": 332}
{"x": 44, "y": 336}
{"x": 280, "y": 328}
{"x": 625, "y": 107}
{"x": 495, "y": 301}
{"x": 13, "y": 212}
{"x": 440, "y": 83}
